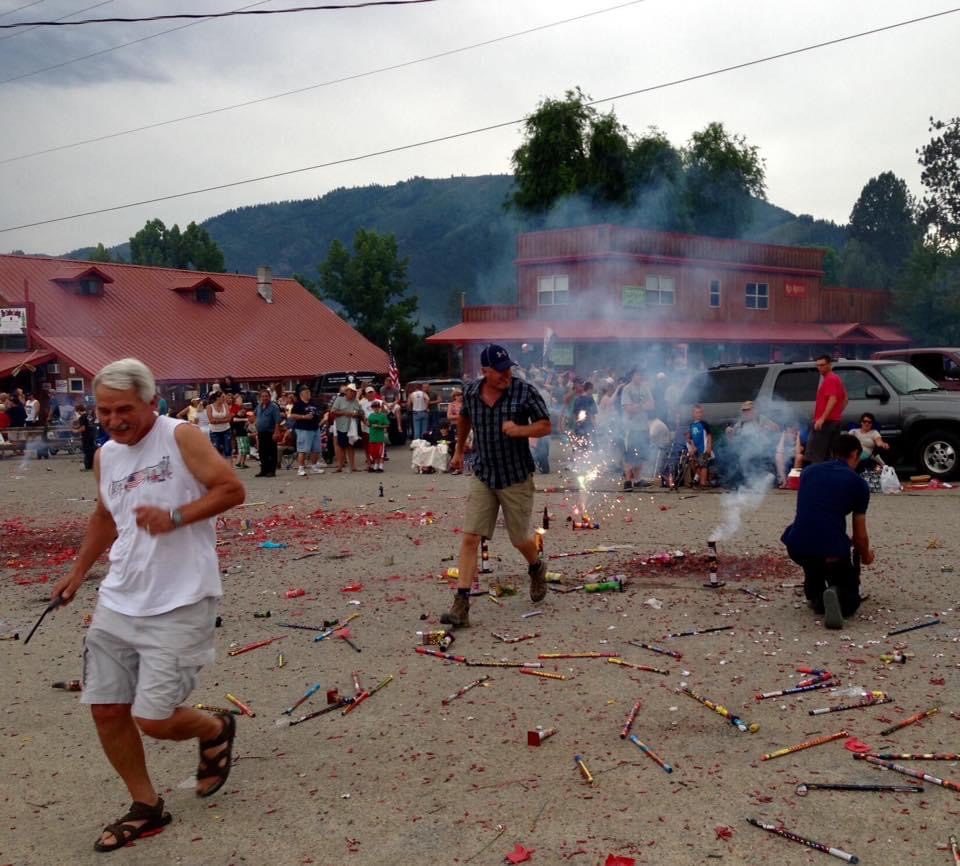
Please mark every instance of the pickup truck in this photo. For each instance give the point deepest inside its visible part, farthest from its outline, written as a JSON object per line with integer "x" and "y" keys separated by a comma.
{"x": 919, "y": 419}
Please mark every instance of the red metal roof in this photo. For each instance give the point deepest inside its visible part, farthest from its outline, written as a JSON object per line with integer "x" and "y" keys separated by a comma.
{"x": 138, "y": 315}
{"x": 599, "y": 330}
{"x": 10, "y": 361}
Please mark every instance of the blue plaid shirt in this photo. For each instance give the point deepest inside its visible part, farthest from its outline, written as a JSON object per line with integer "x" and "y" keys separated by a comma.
{"x": 500, "y": 460}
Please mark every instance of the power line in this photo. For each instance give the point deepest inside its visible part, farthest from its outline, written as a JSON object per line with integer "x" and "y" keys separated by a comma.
{"x": 464, "y": 133}
{"x": 71, "y": 14}
{"x": 353, "y": 77}
{"x": 25, "y": 6}
{"x": 181, "y": 16}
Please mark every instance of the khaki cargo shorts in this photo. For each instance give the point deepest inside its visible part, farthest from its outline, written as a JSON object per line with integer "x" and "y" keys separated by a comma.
{"x": 484, "y": 502}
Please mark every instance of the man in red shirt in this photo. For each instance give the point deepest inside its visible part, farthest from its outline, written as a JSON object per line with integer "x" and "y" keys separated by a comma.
{"x": 827, "y": 413}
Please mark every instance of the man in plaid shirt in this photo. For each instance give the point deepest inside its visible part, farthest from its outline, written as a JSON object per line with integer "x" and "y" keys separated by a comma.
{"x": 504, "y": 413}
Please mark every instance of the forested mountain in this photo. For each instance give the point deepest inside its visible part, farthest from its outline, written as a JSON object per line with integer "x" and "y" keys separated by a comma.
{"x": 455, "y": 231}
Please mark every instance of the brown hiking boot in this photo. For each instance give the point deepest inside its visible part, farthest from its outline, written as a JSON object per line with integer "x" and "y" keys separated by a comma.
{"x": 538, "y": 580}
{"x": 458, "y": 615}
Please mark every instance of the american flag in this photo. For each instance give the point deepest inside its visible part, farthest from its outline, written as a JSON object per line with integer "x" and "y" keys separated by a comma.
{"x": 393, "y": 374}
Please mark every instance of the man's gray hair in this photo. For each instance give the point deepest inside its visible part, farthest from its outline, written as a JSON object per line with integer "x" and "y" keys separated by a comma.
{"x": 125, "y": 374}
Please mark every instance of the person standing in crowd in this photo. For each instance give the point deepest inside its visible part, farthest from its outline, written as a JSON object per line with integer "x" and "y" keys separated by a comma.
{"x": 344, "y": 412}
{"x": 827, "y": 413}
{"x": 454, "y": 407}
{"x": 636, "y": 402}
{"x": 84, "y": 425}
{"x": 163, "y": 408}
{"x": 160, "y": 486}
{"x": 268, "y": 419}
{"x": 503, "y": 412}
{"x": 366, "y": 404}
{"x": 419, "y": 403}
{"x": 433, "y": 401}
{"x": 306, "y": 418}
{"x": 379, "y": 423}
{"x": 584, "y": 417}
{"x": 238, "y": 427}
{"x": 32, "y": 406}
{"x": 16, "y": 412}
{"x": 218, "y": 414}
{"x": 817, "y": 539}
{"x": 700, "y": 441}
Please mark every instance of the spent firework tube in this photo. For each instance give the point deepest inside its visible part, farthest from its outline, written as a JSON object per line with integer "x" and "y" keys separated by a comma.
{"x": 630, "y": 720}
{"x": 793, "y": 837}
{"x": 252, "y": 646}
{"x": 240, "y": 705}
{"x": 342, "y": 702}
{"x": 309, "y": 694}
{"x": 652, "y": 755}
{"x": 913, "y": 627}
{"x": 753, "y": 593}
{"x": 700, "y": 631}
{"x": 818, "y": 677}
{"x": 335, "y": 628}
{"x": 656, "y": 649}
{"x": 503, "y": 664}
{"x": 460, "y": 692}
{"x": 450, "y": 657}
{"x": 954, "y": 849}
{"x": 582, "y": 767}
{"x": 809, "y": 744}
{"x": 506, "y": 639}
{"x": 736, "y": 721}
{"x": 916, "y": 774}
{"x": 622, "y": 663}
{"x": 796, "y": 690}
{"x": 209, "y": 709}
{"x": 585, "y": 655}
{"x": 910, "y": 720}
{"x": 367, "y": 694}
{"x": 544, "y": 674}
{"x": 929, "y": 756}
{"x": 536, "y": 737}
{"x": 871, "y": 700}
{"x": 805, "y": 787}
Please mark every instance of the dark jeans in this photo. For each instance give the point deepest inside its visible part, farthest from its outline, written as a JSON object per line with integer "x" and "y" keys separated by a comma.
{"x": 819, "y": 572}
{"x": 267, "y": 449}
{"x": 221, "y": 441}
{"x": 820, "y": 443}
{"x": 541, "y": 455}
{"x": 89, "y": 450}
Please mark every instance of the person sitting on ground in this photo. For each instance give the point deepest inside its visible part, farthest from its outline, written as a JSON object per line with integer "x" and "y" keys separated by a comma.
{"x": 817, "y": 539}
{"x": 700, "y": 446}
{"x": 870, "y": 441}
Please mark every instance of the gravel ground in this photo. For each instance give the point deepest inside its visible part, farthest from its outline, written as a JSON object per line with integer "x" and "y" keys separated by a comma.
{"x": 405, "y": 779}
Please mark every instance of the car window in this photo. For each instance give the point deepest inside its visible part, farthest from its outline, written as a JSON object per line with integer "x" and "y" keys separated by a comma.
{"x": 794, "y": 386}
{"x": 856, "y": 380}
{"x": 906, "y": 378}
{"x": 725, "y": 386}
{"x": 929, "y": 363}
{"x": 951, "y": 369}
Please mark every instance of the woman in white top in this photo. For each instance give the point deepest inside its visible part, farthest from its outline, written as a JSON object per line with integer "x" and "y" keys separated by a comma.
{"x": 870, "y": 441}
{"x": 218, "y": 414}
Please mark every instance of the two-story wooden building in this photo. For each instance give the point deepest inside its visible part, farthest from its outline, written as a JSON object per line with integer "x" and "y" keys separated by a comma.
{"x": 607, "y": 295}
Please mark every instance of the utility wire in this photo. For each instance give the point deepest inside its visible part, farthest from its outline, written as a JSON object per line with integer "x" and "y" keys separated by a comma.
{"x": 462, "y": 134}
{"x": 180, "y": 16}
{"x": 25, "y": 6}
{"x": 103, "y": 51}
{"x": 353, "y": 77}
{"x": 78, "y": 12}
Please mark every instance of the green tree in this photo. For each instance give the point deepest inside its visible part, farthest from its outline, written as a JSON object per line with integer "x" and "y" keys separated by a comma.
{"x": 940, "y": 163}
{"x": 883, "y": 221}
{"x": 100, "y": 254}
{"x": 723, "y": 173}
{"x": 926, "y": 298}
{"x": 861, "y": 267}
{"x": 158, "y": 246}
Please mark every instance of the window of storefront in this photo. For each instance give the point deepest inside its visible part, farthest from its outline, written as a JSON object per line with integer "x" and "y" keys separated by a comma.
{"x": 660, "y": 291}
{"x": 714, "y": 293}
{"x": 553, "y": 291}
{"x": 758, "y": 296}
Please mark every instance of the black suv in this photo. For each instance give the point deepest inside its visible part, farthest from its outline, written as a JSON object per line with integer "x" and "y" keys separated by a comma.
{"x": 919, "y": 419}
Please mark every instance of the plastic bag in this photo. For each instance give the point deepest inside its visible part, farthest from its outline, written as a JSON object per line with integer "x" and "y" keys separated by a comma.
{"x": 889, "y": 483}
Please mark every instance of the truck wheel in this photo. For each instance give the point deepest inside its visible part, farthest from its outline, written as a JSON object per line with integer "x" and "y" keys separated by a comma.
{"x": 938, "y": 454}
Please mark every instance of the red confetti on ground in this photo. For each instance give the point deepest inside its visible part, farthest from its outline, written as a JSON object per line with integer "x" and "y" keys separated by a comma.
{"x": 520, "y": 854}
{"x": 614, "y": 860}
{"x": 723, "y": 832}
{"x": 763, "y": 566}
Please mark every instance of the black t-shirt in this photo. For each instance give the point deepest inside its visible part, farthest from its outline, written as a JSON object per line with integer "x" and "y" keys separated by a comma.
{"x": 17, "y": 414}
{"x": 301, "y": 408}
{"x": 239, "y": 423}
{"x": 86, "y": 428}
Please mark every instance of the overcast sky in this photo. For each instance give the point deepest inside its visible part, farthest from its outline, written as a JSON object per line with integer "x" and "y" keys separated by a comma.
{"x": 825, "y": 121}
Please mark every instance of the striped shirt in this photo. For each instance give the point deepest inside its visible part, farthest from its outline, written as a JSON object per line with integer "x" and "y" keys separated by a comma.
{"x": 500, "y": 460}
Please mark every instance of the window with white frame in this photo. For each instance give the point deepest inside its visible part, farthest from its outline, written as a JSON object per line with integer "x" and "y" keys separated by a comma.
{"x": 714, "y": 293}
{"x": 660, "y": 291}
{"x": 552, "y": 291}
{"x": 758, "y": 296}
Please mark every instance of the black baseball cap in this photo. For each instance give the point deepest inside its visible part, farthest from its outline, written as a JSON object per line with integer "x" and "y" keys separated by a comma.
{"x": 497, "y": 358}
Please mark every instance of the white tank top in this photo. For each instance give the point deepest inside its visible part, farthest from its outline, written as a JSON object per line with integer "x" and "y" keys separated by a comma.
{"x": 219, "y": 421}
{"x": 152, "y": 574}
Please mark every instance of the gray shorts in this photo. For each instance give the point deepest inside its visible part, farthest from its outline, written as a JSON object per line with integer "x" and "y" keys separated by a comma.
{"x": 150, "y": 662}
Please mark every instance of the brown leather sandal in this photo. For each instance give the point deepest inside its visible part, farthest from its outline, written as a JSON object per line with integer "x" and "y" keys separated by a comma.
{"x": 218, "y": 766}
{"x": 124, "y": 832}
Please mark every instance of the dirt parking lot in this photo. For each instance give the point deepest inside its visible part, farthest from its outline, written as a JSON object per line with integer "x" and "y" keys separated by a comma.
{"x": 406, "y": 779}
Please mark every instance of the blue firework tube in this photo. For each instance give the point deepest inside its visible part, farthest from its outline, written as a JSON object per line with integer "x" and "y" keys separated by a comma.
{"x": 652, "y": 755}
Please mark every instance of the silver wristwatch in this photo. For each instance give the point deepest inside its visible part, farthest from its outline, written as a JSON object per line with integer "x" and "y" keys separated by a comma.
{"x": 177, "y": 517}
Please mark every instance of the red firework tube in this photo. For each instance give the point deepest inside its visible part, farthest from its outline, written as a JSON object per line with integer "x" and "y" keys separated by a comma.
{"x": 871, "y": 700}
{"x": 619, "y": 661}
{"x": 460, "y": 692}
{"x": 816, "y": 678}
{"x": 253, "y": 646}
{"x": 793, "y": 837}
{"x": 450, "y": 657}
{"x": 796, "y": 690}
{"x": 656, "y": 649}
{"x": 652, "y": 755}
{"x": 809, "y": 744}
{"x": 536, "y": 738}
{"x": 544, "y": 674}
{"x": 240, "y": 705}
{"x": 586, "y": 655}
{"x": 916, "y": 774}
{"x": 368, "y": 694}
{"x": 911, "y": 720}
{"x": 630, "y": 720}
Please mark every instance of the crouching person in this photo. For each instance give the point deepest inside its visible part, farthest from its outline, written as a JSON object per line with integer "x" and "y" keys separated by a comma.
{"x": 160, "y": 485}
{"x": 817, "y": 539}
